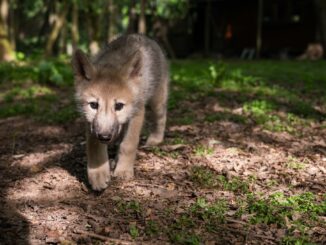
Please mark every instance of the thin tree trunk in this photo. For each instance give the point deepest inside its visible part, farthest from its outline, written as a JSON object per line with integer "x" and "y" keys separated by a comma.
{"x": 11, "y": 27}
{"x": 207, "y": 28}
{"x": 321, "y": 21}
{"x": 49, "y": 4}
{"x": 160, "y": 28}
{"x": 74, "y": 25}
{"x": 60, "y": 20}
{"x": 132, "y": 17}
{"x": 142, "y": 18}
{"x": 112, "y": 25}
{"x": 259, "y": 28}
{"x": 63, "y": 40}
{"x": 6, "y": 50}
{"x": 92, "y": 30}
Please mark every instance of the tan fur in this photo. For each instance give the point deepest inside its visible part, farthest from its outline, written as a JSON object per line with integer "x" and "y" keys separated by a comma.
{"x": 314, "y": 51}
{"x": 131, "y": 71}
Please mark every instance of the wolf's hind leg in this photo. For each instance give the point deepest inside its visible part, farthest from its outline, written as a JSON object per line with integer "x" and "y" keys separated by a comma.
{"x": 128, "y": 147}
{"x": 158, "y": 108}
{"x": 98, "y": 168}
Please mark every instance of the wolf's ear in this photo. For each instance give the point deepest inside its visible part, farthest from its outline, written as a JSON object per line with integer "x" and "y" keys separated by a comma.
{"x": 82, "y": 67}
{"x": 132, "y": 68}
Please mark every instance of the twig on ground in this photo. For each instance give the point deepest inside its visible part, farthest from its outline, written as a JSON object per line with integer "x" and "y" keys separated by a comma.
{"x": 103, "y": 238}
{"x": 248, "y": 232}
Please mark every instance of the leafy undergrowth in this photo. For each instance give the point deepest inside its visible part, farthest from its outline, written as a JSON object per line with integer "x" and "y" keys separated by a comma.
{"x": 35, "y": 89}
{"x": 243, "y": 161}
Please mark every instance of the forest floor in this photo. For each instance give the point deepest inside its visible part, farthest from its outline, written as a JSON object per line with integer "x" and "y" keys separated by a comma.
{"x": 243, "y": 161}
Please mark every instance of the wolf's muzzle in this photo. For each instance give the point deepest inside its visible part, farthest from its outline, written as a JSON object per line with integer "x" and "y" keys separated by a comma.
{"x": 104, "y": 138}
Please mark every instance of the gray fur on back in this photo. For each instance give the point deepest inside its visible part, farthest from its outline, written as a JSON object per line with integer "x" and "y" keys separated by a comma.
{"x": 154, "y": 68}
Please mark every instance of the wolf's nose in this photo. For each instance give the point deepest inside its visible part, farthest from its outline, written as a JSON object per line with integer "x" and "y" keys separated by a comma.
{"x": 104, "y": 137}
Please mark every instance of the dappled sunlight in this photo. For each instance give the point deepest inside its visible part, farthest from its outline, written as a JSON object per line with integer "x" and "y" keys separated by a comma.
{"x": 33, "y": 162}
{"x": 56, "y": 185}
{"x": 235, "y": 148}
{"x": 232, "y": 148}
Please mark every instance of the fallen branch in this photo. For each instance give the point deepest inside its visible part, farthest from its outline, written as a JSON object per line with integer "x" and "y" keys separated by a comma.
{"x": 248, "y": 233}
{"x": 102, "y": 238}
{"x": 236, "y": 221}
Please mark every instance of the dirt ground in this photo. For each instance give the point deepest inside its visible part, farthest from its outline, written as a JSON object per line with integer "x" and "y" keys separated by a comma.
{"x": 45, "y": 198}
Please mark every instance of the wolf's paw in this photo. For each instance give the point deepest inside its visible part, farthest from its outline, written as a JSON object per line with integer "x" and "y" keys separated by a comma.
{"x": 99, "y": 177}
{"x": 154, "y": 140}
{"x": 124, "y": 172}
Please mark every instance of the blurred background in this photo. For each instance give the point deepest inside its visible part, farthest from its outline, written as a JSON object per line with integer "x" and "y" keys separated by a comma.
{"x": 185, "y": 28}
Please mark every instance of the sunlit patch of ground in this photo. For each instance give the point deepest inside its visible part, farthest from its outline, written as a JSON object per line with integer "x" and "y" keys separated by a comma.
{"x": 244, "y": 161}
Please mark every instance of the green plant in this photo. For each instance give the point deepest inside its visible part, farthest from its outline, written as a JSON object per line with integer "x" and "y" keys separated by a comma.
{"x": 210, "y": 213}
{"x": 151, "y": 228}
{"x": 298, "y": 210}
{"x": 133, "y": 231}
{"x": 207, "y": 178}
{"x": 132, "y": 207}
{"x": 202, "y": 150}
{"x": 203, "y": 177}
{"x": 295, "y": 164}
{"x": 185, "y": 238}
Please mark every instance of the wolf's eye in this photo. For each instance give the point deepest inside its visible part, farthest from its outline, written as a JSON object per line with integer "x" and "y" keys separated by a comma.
{"x": 93, "y": 105}
{"x": 118, "y": 106}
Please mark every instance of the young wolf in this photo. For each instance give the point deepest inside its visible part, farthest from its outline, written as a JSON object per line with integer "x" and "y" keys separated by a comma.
{"x": 112, "y": 92}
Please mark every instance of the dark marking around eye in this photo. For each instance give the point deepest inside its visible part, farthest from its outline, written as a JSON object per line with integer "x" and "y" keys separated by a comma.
{"x": 93, "y": 105}
{"x": 118, "y": 106}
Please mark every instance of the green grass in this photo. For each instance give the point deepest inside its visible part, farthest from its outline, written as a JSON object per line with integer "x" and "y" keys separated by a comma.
{"x": 133, "y": 231}
{"x": 203, "y": 150}
{"x": 37, "y": 89}
{"x": 300, "y": 212}
{"x": 152, "y": 228}
{"x": 280, "y": 96}
{"x": 130, "y": 208}
{"x": 295, "y": 164}
{"x": 201, "y": 213}
{"x": 207, "y": 178}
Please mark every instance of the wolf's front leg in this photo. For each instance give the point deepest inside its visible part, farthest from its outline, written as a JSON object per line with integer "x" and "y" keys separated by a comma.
{"x": 128, "y": 147}
{"x": 158, "y": 106}
{"x": 98, "y": 168}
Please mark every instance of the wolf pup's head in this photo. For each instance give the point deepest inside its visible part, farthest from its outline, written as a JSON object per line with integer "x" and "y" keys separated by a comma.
{"x": 108, "y": 96}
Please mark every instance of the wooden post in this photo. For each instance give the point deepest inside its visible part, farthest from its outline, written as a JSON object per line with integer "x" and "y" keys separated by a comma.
{"x": 259, "y": 28}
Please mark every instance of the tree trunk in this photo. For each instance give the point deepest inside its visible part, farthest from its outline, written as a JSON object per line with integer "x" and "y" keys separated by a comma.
{"x": 321, "y": 21}
{"x": 92, "y": 30}
{"x": 112, "y": 25}
{"x": 60, "y": 19}
{"x": 132, "y": 17}
{"x": 74, "y": 25}
{"x": 142, "y": 18}
{"x": 44, "y": 30}
{"x": 6, "y": 50}
{"x": 207, "y": 28}
{"x": 63, "y": 40}
{"x": 11, "y": 27}
{"x": 259, "y": 28}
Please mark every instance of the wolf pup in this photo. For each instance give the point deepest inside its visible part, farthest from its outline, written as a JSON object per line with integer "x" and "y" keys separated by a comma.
{"x": 112, "y": 91}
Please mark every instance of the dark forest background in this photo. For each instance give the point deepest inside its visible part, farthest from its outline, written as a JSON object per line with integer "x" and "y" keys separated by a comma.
{"x": 185, "y": 28}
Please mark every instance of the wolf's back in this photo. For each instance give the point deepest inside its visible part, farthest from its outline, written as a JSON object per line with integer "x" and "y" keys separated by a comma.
{"x": 154, "y": 67}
